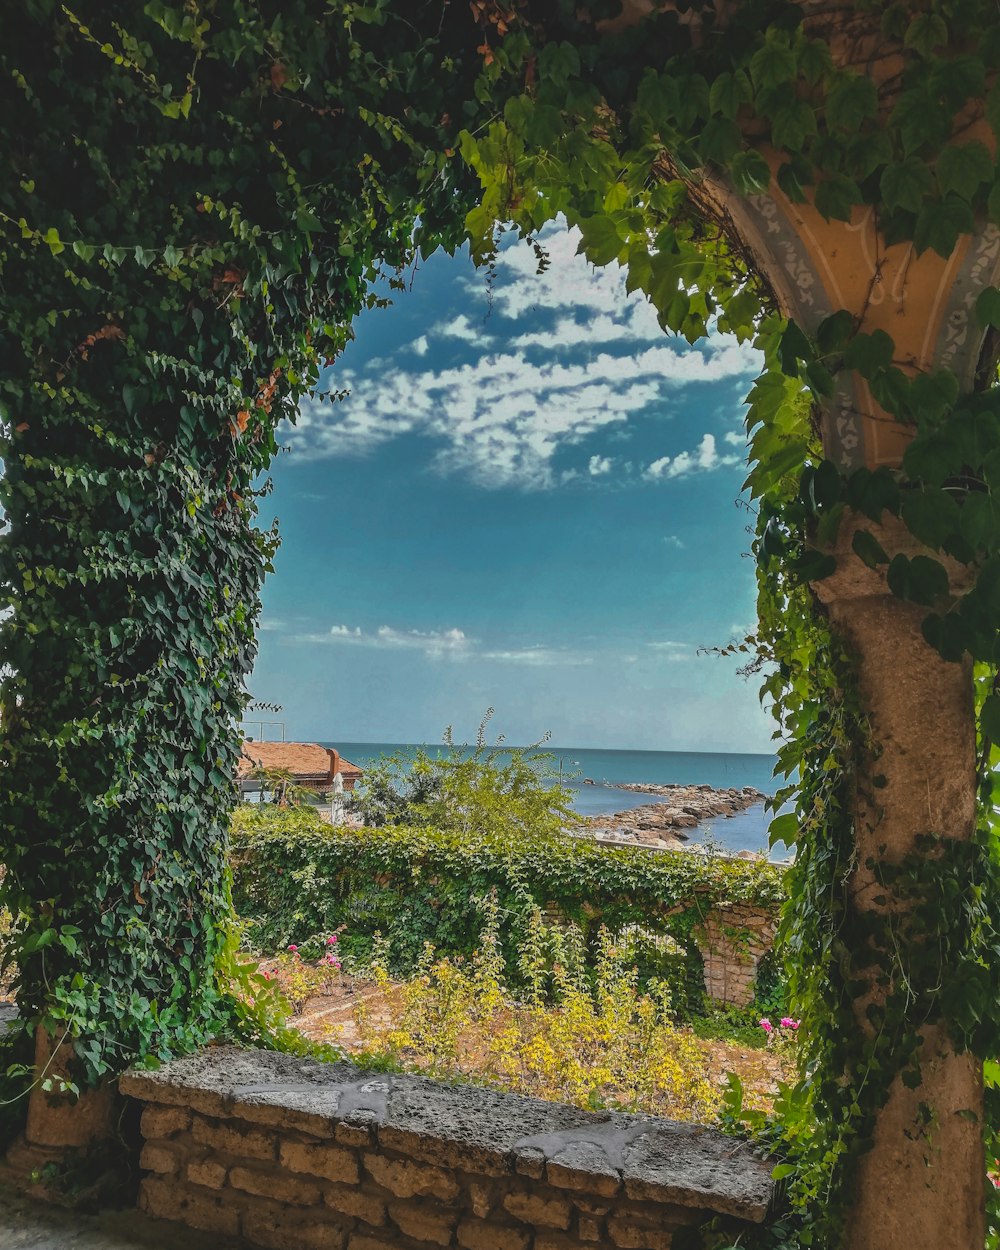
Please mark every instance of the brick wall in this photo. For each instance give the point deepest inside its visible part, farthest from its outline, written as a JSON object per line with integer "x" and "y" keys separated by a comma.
{"x": 285, "y": 1152}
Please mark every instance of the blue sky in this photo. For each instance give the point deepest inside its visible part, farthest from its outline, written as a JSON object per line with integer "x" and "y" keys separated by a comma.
{"x": 527, "y": 501}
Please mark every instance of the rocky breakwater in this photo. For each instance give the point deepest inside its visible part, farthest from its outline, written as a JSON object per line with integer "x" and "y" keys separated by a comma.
{"x": 665, "y": 824}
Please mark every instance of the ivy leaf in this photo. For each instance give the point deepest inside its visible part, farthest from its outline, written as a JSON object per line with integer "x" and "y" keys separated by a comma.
{"x": 868, "y": 353}
{"x": 940, "y": 223}
{"x": 905, "y": 184}
{"x": 836, "y": 197}
{"x": 773, "y": 64}
{"x": 920, "y": 580}
{"x": 989, "y": 718}
{"x": 850, "y": 101}
{"x": 920, "y": 120}
{"x": 728, "y": 92}
{"x": 720, "y": 140}
{"x": 867, "y": 547}
{"x": 925, "y": 33}
{"x": 815, "y": 60}
{"x": 933, "y": 394}
{"x": 307, "y": 222}
{"x": 790, "y": 182}
{"x": 988, "y": 307}
{"x": 963, "y": 168}
{"x": 51, "y": 237}
{"x": 931, "y": 516}
{"x": 751, "y": 173}
{"x": 600, "y": 239}
{"x": 792, "y": 125}
{"x": 834, "y": 331}
{"x": 793, "y": 347}
{"x": 866, "y": 152}
{"x": 980, "y": 521}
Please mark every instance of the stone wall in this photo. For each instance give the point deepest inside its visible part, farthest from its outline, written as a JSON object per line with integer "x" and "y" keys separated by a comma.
{"x": 732, "y": 941}
{"x": 290, "y": 1152}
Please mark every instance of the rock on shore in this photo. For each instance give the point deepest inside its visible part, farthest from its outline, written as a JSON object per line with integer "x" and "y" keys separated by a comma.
{"x": 664, "y": 824}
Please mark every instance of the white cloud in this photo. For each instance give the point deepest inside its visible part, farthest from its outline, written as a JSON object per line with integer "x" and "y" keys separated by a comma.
{"x": 462, "y": 328}
{"x": 503, "y": 418}
{"x": 671, "y": 540}
{"x": 735, "y": 438}
{"x": 538, "y": 657}
{"x": 598, "y": 466}
{"x": 702, "y": 459}
{"x": 433, "y": 643}
{"x": 674, "y": 652}
{"x": 445, "y": 643}
{"x": 420, "y": 345}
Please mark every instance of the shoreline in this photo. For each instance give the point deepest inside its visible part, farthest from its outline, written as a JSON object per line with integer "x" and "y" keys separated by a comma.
{"x": 665, "y": 825}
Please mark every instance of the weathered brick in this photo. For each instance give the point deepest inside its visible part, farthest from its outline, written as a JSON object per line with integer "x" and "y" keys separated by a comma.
{"x": 235, "y": 1138}
{"x": 593, "y": 1206}
{"x": 482, "y": 1199}
{"x": 584, "y": 1168}
{"x": 357, "y": 1203}
{"x": 629, "y": 1236}
{"x": 589, "y": 1229}
{"x": 439, "y": 1152}
{"x": 167, "y": 1200}
{"x": 480, "y": 1235}
{"x": 208, "y": 1172}
{"x": 354, "y": 1134}
{"x": 424, "y": 1221}
{"x": 560, "y": 1241}
{"x": 164, "y": 1121}
{"x": 365, "y": 1241}
{"x": 537, "y": 1209}
{"x": 278, "y": 1228}
{"x": 270, "y": 1183}
{"x": 333, "y": 1163}
{"x": 410, "y": 1180}
{"x": 158, "y": 1156}
{"x": 530, "y": 1162}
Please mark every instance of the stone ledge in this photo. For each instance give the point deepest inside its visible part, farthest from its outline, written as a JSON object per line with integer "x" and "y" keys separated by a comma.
{"x": 465, "y": 1127}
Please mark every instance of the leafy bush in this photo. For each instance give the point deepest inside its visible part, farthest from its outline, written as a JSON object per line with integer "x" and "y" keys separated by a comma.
{"x": 485, "y": 791}
{"x": 295, "y": 877}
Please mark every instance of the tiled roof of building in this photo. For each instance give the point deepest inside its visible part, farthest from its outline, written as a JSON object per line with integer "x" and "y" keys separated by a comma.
{"x": 301, "y": 759}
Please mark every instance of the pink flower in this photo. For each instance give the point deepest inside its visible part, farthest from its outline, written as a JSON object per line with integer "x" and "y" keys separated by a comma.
{"x": 766, "y": 1025}
{"x": 293, "y": 948}
{"x": 788, "y": 1023}
{"x": 332, "y": 940}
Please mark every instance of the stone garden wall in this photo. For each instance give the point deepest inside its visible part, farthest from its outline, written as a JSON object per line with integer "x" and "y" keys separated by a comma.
{"x": 732, "y": 941}
{"x": 288, "y": 1152}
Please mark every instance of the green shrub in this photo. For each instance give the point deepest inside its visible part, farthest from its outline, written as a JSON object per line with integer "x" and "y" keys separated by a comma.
{"x": 295, "y": 876}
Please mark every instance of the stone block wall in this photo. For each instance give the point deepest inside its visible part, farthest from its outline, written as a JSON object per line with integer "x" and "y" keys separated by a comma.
{"x": 285, "y": 1152}
{"x": 732, "y": 941}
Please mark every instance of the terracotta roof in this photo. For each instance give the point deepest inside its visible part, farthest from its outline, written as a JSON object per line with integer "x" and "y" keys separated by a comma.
{"x": 301, "y": 759}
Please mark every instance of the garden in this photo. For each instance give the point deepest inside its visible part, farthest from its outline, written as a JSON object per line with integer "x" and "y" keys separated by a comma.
{"x": 463, "y": 934}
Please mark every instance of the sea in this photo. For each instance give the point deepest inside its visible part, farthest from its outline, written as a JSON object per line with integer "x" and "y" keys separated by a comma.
{"x": 578, "y": 767}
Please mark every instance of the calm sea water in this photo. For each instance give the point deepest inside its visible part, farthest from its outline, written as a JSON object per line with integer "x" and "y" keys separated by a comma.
{"x": 744, "y": 831}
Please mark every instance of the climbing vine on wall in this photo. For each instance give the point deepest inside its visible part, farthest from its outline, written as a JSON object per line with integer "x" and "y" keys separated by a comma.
{"x": 197, "y": 200}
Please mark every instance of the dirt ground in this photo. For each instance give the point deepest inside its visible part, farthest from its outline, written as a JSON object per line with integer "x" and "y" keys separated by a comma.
{"x": 29, "y": 1225}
